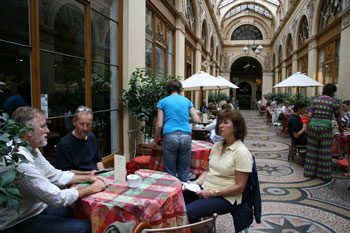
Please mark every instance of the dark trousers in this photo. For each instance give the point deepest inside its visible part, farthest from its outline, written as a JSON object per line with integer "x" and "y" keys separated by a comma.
{"x": 205, "y": 207}
{"x": 53, "y": 220}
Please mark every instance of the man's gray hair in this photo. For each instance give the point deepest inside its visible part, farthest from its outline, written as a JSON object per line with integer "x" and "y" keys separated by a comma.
{"x": 83, "y": 109}
{"x": 26, "y": 115}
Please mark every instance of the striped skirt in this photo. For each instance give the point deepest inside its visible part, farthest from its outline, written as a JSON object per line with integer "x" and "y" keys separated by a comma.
{"x": 318, "y": 160}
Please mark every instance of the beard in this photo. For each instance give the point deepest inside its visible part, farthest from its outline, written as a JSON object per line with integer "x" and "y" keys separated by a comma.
{"x": 39, "y": 140}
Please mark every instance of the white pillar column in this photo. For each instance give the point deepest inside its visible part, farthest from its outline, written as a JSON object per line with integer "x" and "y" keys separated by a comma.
{"x": 134, "y": 14}
{"x": 344, "y": 67}
{"x": 180, "y": 48}
{"x": 312, "y": 65}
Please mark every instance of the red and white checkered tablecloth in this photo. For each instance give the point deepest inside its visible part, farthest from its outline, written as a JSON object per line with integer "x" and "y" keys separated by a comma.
{"x": 199, "y": 157}
{"x": 158, "y": 200}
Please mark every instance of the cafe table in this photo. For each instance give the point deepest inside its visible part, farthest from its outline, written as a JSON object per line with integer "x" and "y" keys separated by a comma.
{"x": 199, "y": 157}
{"x": 158, "y": 200}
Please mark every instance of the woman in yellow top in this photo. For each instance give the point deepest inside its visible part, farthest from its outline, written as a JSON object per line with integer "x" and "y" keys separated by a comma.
{"x": 229, "y": 166}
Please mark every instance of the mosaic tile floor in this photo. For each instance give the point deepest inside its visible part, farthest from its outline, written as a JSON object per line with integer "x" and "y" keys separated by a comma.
{"x": 291, "y": 203}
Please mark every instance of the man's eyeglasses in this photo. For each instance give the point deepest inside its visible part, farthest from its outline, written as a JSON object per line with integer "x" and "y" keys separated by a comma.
{"x": 84, "y": 109}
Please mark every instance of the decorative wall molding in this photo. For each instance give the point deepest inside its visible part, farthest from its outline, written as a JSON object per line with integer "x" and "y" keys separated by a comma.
{"x": 310, "y": 14}
{"x": 345, "y": 22}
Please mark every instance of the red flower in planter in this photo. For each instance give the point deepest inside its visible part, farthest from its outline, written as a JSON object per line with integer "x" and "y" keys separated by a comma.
{"x": 131, "y": 167}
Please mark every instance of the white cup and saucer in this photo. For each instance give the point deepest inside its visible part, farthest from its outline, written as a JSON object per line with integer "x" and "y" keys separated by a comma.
{"x": 134, "y": 181}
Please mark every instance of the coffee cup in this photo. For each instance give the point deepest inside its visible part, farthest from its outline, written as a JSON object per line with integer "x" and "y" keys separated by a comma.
{"x": 134, "y": 181}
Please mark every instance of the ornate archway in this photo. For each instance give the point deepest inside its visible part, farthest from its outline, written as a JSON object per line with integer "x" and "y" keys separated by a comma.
{"x": 246, "y": 72}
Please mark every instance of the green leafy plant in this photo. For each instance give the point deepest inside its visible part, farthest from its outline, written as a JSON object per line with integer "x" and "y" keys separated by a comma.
{"x": 143, "y": 94}
{"x": 10, "y": 133}
{"x": 218, "y": 96}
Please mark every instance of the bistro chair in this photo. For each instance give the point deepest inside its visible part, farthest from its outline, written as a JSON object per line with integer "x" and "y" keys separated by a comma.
{"x": 342, "y": 152}
{"x": 144, "y": 157}
{"x": 284, "y": 124}
{"x": 295, "y": 149}
{"x": 204, "y": 226}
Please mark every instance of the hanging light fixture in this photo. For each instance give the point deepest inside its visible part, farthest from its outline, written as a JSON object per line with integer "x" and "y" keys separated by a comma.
{"x": 256, "y": 49}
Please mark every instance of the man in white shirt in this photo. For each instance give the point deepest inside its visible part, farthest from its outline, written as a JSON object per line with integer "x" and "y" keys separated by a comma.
{"x": 45, "y": 207}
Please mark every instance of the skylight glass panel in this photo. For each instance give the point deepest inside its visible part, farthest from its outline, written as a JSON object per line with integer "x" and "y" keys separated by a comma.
{"x": 251, "y": 7}
{"x": 225, "y": 2}
{"x": 274, "y": 2}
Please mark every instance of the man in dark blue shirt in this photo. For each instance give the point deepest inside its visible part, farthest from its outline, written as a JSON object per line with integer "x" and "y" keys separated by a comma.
{"x": 296, "y": 126}
{"x": 78, "y": 150}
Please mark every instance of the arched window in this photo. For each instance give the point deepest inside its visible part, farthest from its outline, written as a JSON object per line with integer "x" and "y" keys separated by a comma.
{"x": 289, "y": 47}
{"x": 247, "y": 32}
{"x": 329, "y": 12}
{"x": 280, "y": 55}
{"x": 204, "y": 33}
{"x": 217, "y": 54}
{"x": 190, "y": 14}
{"x": 303, "y": 31}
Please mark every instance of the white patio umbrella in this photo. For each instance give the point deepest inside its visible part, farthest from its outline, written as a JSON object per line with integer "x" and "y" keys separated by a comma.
{"x": 224, "y": 83}
{"x": 200, "y": 81}
{"x": 298, "y": 80}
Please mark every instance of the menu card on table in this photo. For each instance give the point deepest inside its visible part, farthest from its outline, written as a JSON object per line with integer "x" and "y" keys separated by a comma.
{"x": 119, "y": 169}
{"x": 205, "y": 118}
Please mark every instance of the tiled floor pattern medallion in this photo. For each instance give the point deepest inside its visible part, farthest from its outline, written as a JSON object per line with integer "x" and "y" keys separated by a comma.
{"x": 292, "y": 203}
{"x": 257, "y": 125}
{"x": 265, "y": 146}
{"x": 258, "y": 133}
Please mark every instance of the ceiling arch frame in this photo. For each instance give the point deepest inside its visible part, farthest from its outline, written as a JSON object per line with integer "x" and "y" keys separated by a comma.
{"x": 233, "y": 25}
{"x": 254, "y": 13}
{"x": 237, "y": 56}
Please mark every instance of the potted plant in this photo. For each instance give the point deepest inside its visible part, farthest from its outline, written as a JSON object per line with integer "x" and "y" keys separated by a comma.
{"x": 144, "y": 92}
{"x": 10, "y": 133}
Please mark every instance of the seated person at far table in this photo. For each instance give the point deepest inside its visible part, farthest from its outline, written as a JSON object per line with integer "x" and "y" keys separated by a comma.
{"x": 230, "y": 163}
{"x": 214, "y": 137}
{"x": 45, "y": 207}
{"x": 286, "y": 108}
{"x": 296, "y": 126}
{"x": 78, "y": 151}
{"x": 203, "y": 108}
{"x": 213, "y": 105}
{"x": 346, "y": 118}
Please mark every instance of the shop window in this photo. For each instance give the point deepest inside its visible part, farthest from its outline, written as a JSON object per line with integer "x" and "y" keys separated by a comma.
{"x": 14, "y": 21}
{"x": 159, "y": 57}
{"x": 63, "y": 61}
{"x": 15, "y": 53}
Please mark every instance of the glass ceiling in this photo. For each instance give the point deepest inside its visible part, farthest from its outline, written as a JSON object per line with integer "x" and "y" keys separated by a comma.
{"x": 251, "y": 7}
{"x": 226, "y": 2}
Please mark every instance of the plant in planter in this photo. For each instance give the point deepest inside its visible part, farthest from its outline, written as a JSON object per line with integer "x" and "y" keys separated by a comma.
{"x": 10, "y": 133}
{"x": 145, "y": 91}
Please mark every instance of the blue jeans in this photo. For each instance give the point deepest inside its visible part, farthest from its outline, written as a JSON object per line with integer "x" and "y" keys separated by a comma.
{"x": 53, "y": 220}
{"x": 205, "y": 207}
{"x": 176, "y": 148}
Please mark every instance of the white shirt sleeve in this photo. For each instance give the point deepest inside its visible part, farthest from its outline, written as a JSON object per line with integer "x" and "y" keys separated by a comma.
{"x": 43, "y": 180}
{"x": 211, "y": 126}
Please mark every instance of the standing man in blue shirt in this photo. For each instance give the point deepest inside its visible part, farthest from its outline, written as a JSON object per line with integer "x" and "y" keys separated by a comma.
{"x": 78, "y": 151}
